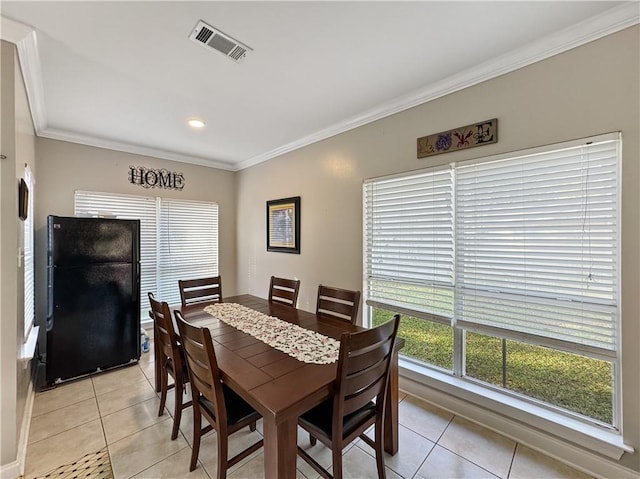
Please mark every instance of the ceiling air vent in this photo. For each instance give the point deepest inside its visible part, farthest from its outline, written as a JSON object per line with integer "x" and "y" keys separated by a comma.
{"x": 210, "y": 37}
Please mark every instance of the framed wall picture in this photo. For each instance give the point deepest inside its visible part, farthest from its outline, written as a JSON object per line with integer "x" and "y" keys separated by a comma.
{"x": 283, "y": 225}
{"x": 23, "y": 200}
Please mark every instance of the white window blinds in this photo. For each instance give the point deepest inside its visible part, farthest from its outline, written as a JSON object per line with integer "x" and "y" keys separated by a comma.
{"x": 129, "y": 207}
{"x": 28, "y": 242}
{"x": 537, "y": 252}
{"x": 531, "y": 242}
{"x": 188, "y": 244}
{"x": 178, "y": 239}
{"x": 408, "y": 229}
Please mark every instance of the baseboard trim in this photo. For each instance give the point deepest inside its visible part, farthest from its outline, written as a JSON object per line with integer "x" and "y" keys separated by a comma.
{"x": 15, "y": 469}
{"x": 10, "y": 471}
{"x": 24, "y": 429}
{"x": 551, "y": 446}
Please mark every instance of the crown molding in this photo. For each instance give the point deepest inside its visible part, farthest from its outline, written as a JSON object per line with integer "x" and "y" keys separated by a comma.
{"x": 26, "y": 41}
{"x": 611, "y": 21}
{"x": 13, "y": 31}
{"x": 90, "y": 140}
{"x": 29, "y": 57}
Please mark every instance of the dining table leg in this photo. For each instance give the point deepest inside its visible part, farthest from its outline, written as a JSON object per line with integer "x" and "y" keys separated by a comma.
{"x": 280, "y": 448}
{"x": 391, "y": 408}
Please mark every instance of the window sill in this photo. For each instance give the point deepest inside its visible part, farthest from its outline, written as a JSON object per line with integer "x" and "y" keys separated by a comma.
{"x": 507, "y": 414}
{"x": 28, "y": 348}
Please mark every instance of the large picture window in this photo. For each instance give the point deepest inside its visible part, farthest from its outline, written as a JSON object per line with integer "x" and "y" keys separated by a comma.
{"x": 178, "y": 238}
{"x": 506, "y": 270}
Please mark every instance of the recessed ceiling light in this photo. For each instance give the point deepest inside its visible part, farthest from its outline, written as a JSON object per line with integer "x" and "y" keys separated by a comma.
{"x": 196, "y": 123}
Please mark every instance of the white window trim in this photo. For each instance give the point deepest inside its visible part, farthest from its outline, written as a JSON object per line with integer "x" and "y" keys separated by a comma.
{"x": 488, "y": 406}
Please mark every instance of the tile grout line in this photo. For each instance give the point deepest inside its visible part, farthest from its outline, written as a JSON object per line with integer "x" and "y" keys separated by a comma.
{"x": 104, "y": 433}
{"x": 466, "y": 458}
{"x": 435, "y": 444}
{"x": 114, "y": 412}
{"x": 513, "y": 458}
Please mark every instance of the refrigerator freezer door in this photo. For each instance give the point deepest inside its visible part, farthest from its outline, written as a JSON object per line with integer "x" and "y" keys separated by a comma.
{"x": 78, "y": 241}
{"x": 95, "y": 323}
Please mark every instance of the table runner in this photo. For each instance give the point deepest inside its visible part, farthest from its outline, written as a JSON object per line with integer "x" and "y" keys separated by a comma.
{"x": 302, "y": 344}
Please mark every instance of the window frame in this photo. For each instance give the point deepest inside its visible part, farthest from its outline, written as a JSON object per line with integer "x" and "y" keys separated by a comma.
{"x": 28, "y": 253}
{"x": 459, "y": 332}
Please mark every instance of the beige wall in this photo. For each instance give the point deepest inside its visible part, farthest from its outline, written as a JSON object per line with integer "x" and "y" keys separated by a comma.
{"x": 8, "y": 270}
{"x": 590, "y": 90}
{"x": 66, "y": 167}
{"x": 17, "y": 140}
{"x": 25, "y": 155}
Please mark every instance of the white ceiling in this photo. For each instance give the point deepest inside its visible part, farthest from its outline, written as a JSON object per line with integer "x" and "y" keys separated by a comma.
{"x": 124, "y": 75}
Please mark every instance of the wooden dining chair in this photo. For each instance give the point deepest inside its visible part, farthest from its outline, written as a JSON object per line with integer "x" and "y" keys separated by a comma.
{"x": 338, "y": 303}
{"x": 225, "y": 411}
{"x": 171, "y": 360}
{"x": 284, "y": 291}
{"x": 363, "y": 375}
{"x": 200, "y": 290}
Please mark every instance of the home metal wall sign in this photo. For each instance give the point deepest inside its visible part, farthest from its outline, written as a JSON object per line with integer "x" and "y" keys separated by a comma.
{"x": 478, "y": 134}
{"x": 155, "y": 178}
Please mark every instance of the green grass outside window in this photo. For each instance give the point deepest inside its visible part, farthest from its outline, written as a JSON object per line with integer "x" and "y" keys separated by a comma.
{"x": 577, "y": 383}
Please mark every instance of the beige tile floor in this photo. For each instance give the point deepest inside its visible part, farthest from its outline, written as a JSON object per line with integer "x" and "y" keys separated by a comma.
{"x": 114, "y": 415}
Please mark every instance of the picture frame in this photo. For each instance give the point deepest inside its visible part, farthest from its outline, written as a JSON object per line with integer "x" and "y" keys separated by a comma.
{"x": 23, "y": 200}
{"x": 283, "y": 225}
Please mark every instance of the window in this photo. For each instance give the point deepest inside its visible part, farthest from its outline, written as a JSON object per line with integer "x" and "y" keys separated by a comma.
{"x": 409, "y": 243}
{"x": 188, "y": 244}
{"x": 508, "y": 269}
{"x": 28, "y": 241}
{"x": 178, "y": 238}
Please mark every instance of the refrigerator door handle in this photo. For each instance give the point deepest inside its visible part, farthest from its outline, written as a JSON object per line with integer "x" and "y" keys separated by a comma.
{"x": 135, "y": 293}
{"x": 50, "y": 314}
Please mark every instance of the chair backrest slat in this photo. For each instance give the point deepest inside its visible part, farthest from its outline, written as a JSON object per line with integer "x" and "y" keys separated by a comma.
{"x": 355, "y": 383}
{"x": 358, "y": 362}
{"x": 329, "y": 306}
{"x": 202, "y": 365}
{"x": 199, "y": 371}
{"x": 165, "y": 332}
{"x": 285, "y": 291}
{"x": 363, "y": 368}
{"x": 338, "y": 303}
{"x": 357, "y": 401}
{"x": 200, "y": 290}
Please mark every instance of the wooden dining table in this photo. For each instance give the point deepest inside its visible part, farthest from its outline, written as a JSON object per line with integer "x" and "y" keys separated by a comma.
{"x": 277, "y": 385}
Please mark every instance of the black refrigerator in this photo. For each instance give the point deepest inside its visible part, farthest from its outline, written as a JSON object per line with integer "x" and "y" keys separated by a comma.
{"x": 93, "y": 294}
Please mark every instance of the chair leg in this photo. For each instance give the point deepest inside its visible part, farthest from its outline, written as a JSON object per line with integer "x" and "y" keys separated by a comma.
{"x": 337, "y": 461}
{"x": 223, "y": 451}
{"x": 379, "y": 448}
{"x": 197, "y": 432}
{"x": 163, "y": 388}
{"x": 312, "y": 440}
{"x": 252, "y": 426}
{"x": 177, "y": 411}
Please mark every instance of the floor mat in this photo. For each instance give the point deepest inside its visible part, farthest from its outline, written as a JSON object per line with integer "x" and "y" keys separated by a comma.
{"x": 96, "y": 465}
